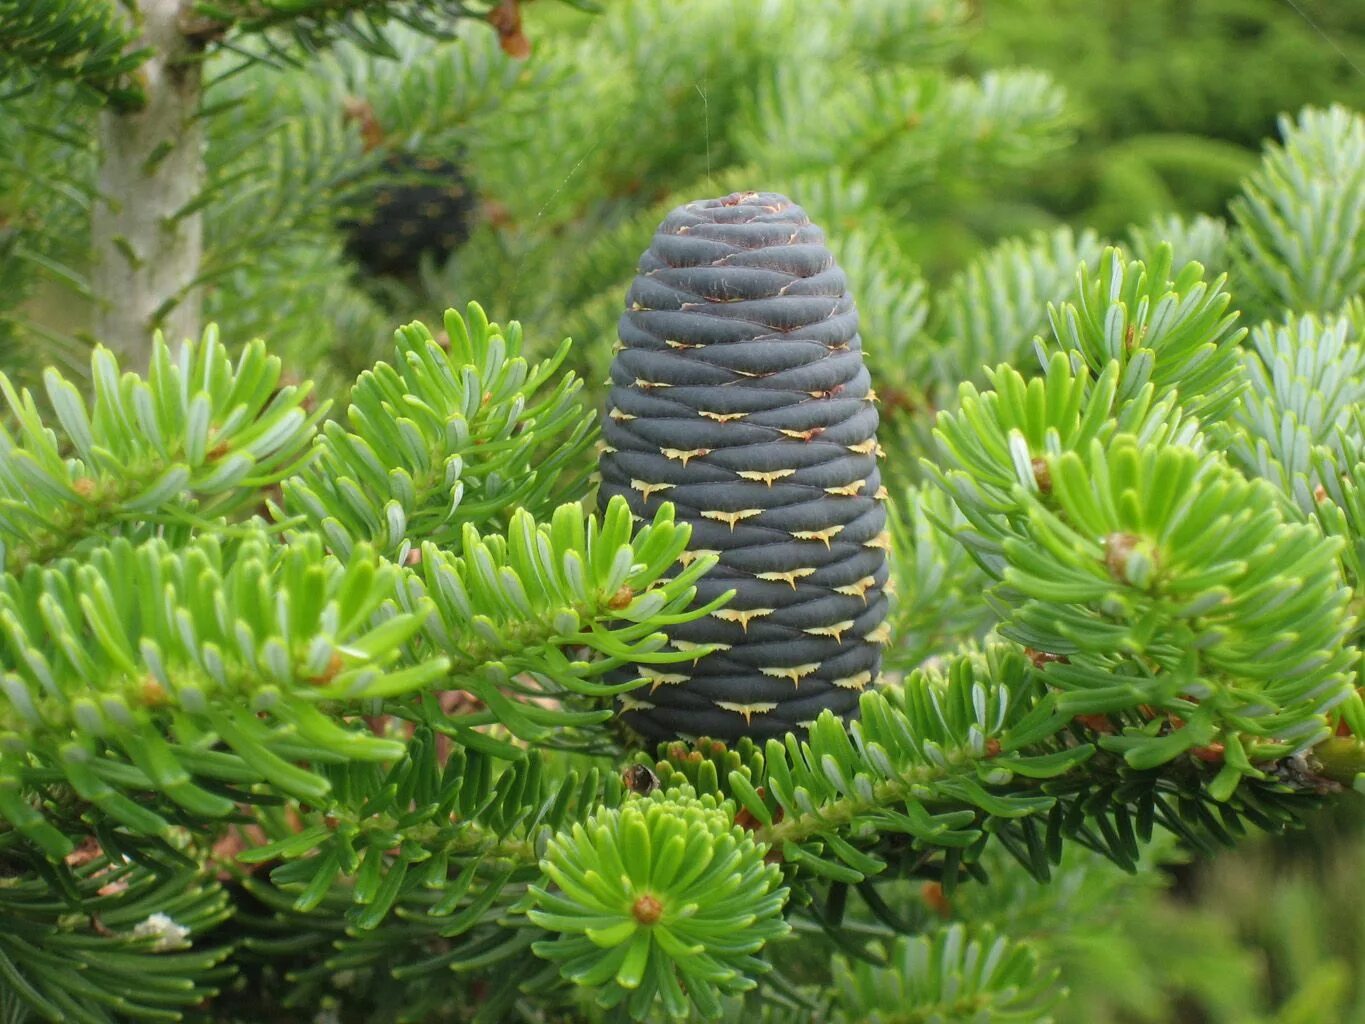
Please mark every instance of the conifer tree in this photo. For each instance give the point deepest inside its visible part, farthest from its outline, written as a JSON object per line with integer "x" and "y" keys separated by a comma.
{"x": 113, "y": 115}
{"x": 311, "y": 707}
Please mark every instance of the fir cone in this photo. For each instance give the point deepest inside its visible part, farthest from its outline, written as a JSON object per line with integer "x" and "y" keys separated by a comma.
{"x": 738, "y": 393}
{"x": 427, "y": 210}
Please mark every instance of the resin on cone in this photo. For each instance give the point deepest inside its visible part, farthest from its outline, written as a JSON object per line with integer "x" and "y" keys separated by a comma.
{"x": 739, "y": 394}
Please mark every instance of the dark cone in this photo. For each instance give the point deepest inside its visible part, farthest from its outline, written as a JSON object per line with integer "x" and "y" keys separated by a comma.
{"x": 739, "y": 394}
{"x": 426, "y": 210}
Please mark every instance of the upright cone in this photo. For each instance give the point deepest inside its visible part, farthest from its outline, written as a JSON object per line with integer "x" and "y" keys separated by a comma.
{"x": 739, "y": 394}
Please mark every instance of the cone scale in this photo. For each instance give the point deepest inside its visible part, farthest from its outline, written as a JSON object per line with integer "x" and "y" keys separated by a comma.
{"x": 739, "y": 394}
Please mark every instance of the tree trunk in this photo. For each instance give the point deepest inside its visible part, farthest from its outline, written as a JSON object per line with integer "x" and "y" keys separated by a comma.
{"x": 147, "y": 251}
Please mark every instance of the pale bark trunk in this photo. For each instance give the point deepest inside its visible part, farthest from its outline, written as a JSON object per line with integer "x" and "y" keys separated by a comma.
{"x": 147, "y": 252}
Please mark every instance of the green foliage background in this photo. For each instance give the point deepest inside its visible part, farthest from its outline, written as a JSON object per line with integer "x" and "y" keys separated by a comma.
{"x": 926, "y": 138}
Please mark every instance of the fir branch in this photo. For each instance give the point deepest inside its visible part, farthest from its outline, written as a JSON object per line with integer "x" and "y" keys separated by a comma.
{"x": 992, "y": 310}
{"x": 122, "y": 944}
{"x": 304, "y": 296}
{"x": 197, "y": 437}
{"x": 1302, "y": 217}
{"x": 890, "y": 32}
{"x": 936, "y": 589}
{"x": 518, "y": 617}
{"x": 1297, "y": 417}
{"x": 437, "y": 94}
{"x": 1340, "y": 507}
{"x": 952, "y": 974}
{"x": 428, "y": 823}
{"x": 979, "y": 751}
{"x": 904, "y": 128}
{"x": 315, "y": 24}
{"x": 428, "y": 834}
{"x": 662, "y": 900}
{"x": 1157, "y": 574}
{"x": 279, "y": 171}
{"x": 1177, "y": 334}
{"x": 1163, "y": 575}
{"x": 922, "y": 762}
{"x": 1202, "y": 239}
{"x": 83, "y": 41}
{"x": 299, "y": 962}
{"x": 444, "y": 440}
{"x": 997, "y": 442}
{"x": 1146, "y": 175}
{"x": 423, "y": 874}
{"x": 125, "y": 671}
{"x": 893, "y": 303}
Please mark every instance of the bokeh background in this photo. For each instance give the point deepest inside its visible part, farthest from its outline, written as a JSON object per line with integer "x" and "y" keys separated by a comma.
{"x": 527, "y": 168}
